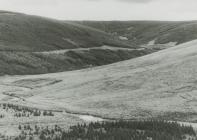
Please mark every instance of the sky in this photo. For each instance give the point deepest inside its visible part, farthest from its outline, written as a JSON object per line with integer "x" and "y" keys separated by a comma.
{"x": 106, "y": 9}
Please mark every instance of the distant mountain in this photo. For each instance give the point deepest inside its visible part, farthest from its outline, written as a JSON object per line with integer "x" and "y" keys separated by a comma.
{"x": 142, "y": 32}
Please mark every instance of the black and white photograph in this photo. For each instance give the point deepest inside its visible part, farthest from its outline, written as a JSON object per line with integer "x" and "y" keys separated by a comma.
{"x": 98, "y": 69}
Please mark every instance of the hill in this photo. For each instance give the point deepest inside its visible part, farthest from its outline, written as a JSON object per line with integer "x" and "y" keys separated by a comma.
{"x": 162, "y": 84}
{"x": 23, "y": 63}
{"x": 142, "y": 32}
{"x": 37, "y": 45}
{"x": 21, "y": 32}
{"x": 29, "y": 45}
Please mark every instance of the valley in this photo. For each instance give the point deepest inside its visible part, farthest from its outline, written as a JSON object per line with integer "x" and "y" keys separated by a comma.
{"x": 122, "y": 91}
{"x": 157, "y": 85}
{"x": 73, "y": 79}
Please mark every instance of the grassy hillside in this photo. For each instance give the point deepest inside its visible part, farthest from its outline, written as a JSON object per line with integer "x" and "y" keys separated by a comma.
{"x": 144, "y": 31}
{"x": 22, "y": 63}
{"x": 22, "y": 37}
{"x": 29, "y": 44}
{"x": 20, "y": 32}
{"x": 162, "y": 84}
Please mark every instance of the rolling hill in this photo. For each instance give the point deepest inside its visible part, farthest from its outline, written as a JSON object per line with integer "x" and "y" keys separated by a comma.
{"x": 142, "y": 32}
{"x": 37, "y": 45}
{"x": 21, "y": 32}
{"x": 161, "y": 84}
{"x": 29, "y": 45}
{"x": 22, "y": 63}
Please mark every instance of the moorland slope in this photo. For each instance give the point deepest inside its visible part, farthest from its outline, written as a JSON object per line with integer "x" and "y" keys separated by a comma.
{"x": 158, "y": 84}
{"x": 24, "y": 38}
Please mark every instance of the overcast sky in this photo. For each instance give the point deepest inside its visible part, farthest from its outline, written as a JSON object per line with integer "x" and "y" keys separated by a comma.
{"x": 106, "y": 9}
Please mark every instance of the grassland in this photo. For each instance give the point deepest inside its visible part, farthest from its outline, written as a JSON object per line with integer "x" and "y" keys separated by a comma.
{"x": 155, "y": 85}
{"x": 50, "y": 65}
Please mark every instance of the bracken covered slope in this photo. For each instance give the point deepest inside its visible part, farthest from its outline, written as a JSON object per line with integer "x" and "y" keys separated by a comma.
{"x": 159, "y": 84}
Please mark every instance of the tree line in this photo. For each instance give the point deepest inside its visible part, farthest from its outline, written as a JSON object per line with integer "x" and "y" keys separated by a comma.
{"x": 21, "y": 111}
{"x": 115, "y": 130}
